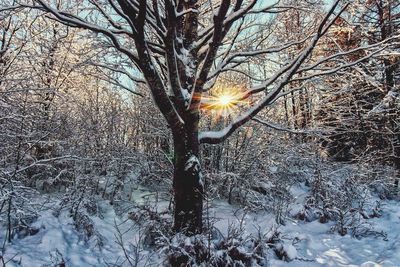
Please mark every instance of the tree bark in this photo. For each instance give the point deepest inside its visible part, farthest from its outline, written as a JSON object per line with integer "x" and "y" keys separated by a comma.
{"x": 187, "y": 181}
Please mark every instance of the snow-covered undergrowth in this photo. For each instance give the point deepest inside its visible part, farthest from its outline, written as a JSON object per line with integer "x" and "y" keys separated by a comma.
{"x": 59, "y": 241}
{"x": 326, "y": 215}
{"x": 240, "y": 237}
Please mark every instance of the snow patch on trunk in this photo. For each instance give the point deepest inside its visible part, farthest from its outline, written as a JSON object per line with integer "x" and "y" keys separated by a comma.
{"x": 192, "y": 163}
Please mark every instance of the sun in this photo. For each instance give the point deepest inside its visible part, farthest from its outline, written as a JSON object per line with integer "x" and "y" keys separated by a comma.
{"x": 223, "y": 101}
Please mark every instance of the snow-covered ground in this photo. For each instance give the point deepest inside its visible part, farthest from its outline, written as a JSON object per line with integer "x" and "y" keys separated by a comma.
{"x": 315, "y": 245}
{"x": 58, "y": 239}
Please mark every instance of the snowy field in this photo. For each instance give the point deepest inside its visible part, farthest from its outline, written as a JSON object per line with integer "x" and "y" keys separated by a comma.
{"x": 306, "y": 243}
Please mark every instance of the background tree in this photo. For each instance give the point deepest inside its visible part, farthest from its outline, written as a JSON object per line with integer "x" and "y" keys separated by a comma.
{"x": 362, "y": 111}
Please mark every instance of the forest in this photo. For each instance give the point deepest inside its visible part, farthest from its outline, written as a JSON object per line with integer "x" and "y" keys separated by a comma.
{"x": 199, "y": 133}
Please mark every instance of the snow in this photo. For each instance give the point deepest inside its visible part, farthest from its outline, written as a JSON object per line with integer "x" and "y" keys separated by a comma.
{"x": 316, "y": 245}
{"x": 187, "y": 60}
{"x": 192, "y": 163}
{"x": 192, "y": 10}
{"x": 186, "y": 96}
{"x": 304, "y": 243}
{"x": 388, "y": 102}
{"x": 58, "y": 236}
{"x": 291, "y": 251}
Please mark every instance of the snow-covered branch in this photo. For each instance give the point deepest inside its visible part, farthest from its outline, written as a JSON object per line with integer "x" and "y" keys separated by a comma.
{"x": 287, "y": 72}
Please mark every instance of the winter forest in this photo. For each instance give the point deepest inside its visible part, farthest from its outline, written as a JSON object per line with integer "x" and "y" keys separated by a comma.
{"x": 199, "y": 133}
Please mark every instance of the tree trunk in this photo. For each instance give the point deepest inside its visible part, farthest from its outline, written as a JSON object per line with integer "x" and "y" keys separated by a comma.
{"x": 188, "y": 182}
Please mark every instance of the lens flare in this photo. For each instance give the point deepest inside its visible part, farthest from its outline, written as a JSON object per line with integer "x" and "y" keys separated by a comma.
{"x": 223, "y": 101}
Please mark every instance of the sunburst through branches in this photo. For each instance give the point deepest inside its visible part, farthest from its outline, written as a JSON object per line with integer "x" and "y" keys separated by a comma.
{"x": 224, "y": 100}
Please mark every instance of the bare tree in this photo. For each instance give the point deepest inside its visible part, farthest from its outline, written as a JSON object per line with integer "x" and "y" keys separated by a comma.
{"x": 180, "y": 49}
{"x": 362, "y": 109}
